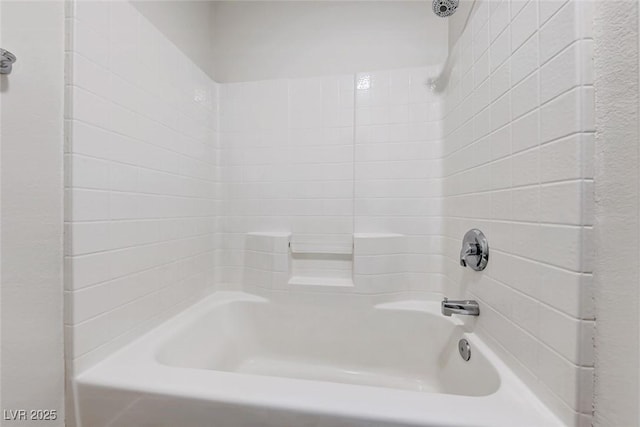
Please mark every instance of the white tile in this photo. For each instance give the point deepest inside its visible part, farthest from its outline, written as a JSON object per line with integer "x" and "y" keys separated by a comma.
{"x": 525, "y": 132}
{"x": 563, "y": 159}
{"x": 481, "y": 41}
{"x": 90, "y": 76}
{"x": 89, "y": 205}
{"x": 570, "y": 337}
{"x": 501, "y": 112}
{"x": 562, "y": 203}
{"x": 501, "y": 206}
{"x": 500, "y": 49}
{"x": 89, "y": 173}
{"x": 91, "y": 269}
{"x": 90, "y": 108}
{"x": 517, "y": 6}
{"x": 124, "y": 206}
{"x": 500, "y": 18}
{"x": 573, "y": 289}
{"x": 526, "y": 203}
{"x": 561, "y": 117}
{"x": 524, "y": 60}
{"x": 88, "y": 237}
{"x": 561, "y": 73}
{"x": 526, "y": 240}
{"x": 524, "y": 25}
{"x": 526, "y": 167}
{"x": 573, "y": 385}
{"x": 559, "y": 32}
{"x": 90, "y": 39}
{"x": 561, "y": 246}
{"x": 525, "y": 96}
{"x": 548, "y": 8}
{"x": 501, "y": 80}
{"x": 500, "y": 143}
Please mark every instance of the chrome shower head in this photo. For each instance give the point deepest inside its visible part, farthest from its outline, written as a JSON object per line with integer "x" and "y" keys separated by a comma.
{"x": 444, "y": 8}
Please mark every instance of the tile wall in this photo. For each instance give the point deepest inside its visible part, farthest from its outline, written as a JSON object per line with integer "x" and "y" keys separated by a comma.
{"x": 505, "y": 148}
{"x": 517, "y": 163}
{"x": 398, "y": 143}
{"x": 286, "y": 163}
{"x": 141, "y": 178}
{"x": 325, "y": 157}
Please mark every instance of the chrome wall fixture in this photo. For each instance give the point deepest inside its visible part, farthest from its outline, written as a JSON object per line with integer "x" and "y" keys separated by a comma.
{"x": 463, "y": 307}
{"x": 444, "y": 8}
{"x": 465, "y": 349}
{"x": 439, "y": 83}
{"x": 475, "y": 250}
{"x": 6, "y": 61}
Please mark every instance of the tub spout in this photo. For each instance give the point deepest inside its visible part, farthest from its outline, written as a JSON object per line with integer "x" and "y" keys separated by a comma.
{"x": 465, "y": 307}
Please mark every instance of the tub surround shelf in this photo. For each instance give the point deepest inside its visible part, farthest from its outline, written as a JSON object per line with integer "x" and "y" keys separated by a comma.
{"x": 320, "y": 248}
{"x": 336, "y": 282}
{"x": 355, "y": 263}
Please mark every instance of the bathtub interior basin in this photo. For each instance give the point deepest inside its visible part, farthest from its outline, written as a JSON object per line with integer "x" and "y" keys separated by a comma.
{"x": 402, "y": 345}
{"x": 283, "y": 359}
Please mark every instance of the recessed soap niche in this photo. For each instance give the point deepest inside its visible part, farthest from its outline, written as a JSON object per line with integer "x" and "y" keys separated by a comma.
{"x": 362, "y": 262}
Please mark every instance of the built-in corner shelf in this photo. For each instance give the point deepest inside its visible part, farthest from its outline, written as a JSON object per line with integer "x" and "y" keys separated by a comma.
{"x": 370, "y": 262}
{"x": 335, "y": 282}
{"x": 321, "y": 248}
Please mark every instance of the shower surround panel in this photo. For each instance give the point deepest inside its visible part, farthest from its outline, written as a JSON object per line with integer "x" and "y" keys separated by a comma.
{"x": 517, "y": 164}
{"x": 155, "y": 200}
{"x": 141, "y": 179}
{"x": 287, "y": 163}
{"x": 324, "y": 158}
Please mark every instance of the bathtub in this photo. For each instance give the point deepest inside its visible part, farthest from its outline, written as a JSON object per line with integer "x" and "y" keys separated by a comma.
{"x": 285, "y": 360}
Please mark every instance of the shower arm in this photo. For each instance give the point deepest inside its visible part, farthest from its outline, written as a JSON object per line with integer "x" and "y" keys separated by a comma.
{"x": 439, "y": 83}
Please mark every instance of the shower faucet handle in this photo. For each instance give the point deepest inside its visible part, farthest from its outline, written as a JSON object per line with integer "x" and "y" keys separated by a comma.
{"x": 6, "y": 61}
{"x": 469, "y": 249}
{"x": 475, "y": 250}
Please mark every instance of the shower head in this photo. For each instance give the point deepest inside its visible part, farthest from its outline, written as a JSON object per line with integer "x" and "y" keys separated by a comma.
{"x": 444, "y": 8}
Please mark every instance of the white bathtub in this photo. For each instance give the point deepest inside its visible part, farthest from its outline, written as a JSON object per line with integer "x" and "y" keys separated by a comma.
{"x": 240, "y": 360}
